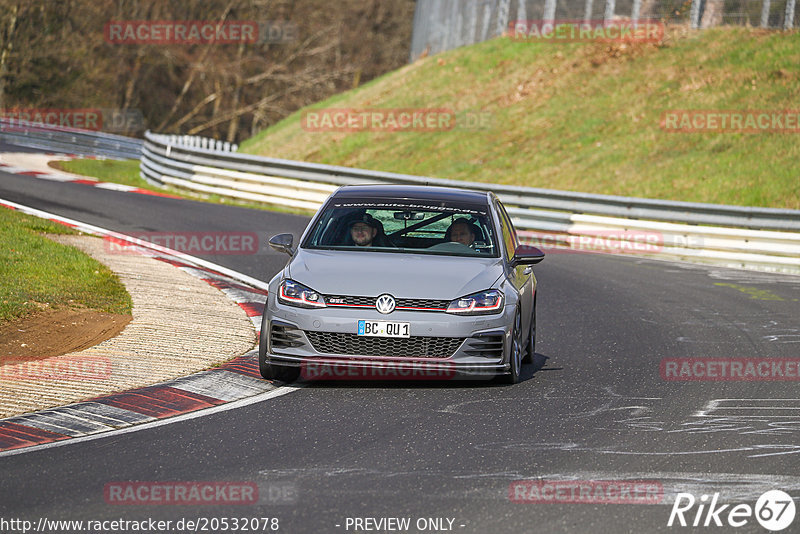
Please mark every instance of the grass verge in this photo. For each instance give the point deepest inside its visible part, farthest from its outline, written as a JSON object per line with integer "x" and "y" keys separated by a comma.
{"x": 124, "y": 171}
{"x": 581, "y": 117}
{"x": 39, "y": 273}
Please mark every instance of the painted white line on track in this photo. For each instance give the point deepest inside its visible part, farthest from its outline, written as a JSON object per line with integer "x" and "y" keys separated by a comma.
{"x": 283, "y": 390}
{"x": 53, "y": 177}
{"x": 116, "y": 187}
{"x": 97, "y": 230}
{"x": 783, "y": 409}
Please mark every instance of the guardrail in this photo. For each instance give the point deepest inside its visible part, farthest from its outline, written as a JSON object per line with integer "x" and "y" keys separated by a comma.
{"x": 760, "y": 238}
{"x": 69, "y": 140}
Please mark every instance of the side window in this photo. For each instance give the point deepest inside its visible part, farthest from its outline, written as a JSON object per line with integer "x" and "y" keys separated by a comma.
{"x": 509, "y": 236}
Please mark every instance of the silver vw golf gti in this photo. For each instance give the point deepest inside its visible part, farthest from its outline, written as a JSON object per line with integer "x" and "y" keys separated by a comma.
{"x": 402, "y": 281}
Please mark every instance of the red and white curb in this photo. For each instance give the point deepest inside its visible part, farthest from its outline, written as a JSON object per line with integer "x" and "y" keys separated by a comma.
{"x": 234, "y": 381}
{"x": 58, "y": 177}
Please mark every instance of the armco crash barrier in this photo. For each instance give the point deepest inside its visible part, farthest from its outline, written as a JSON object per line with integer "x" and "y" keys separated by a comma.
{"x": 765, "y": 239}
{"x": 69, "y": 140}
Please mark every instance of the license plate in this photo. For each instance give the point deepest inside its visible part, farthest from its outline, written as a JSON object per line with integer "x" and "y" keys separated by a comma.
{"x": 384, "y": 329}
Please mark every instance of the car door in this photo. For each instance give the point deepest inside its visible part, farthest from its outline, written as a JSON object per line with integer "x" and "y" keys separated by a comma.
{"x": 521, "y": 276}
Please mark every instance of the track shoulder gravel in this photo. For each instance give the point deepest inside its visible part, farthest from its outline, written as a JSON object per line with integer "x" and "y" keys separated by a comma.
{"x": 186, "y": 319}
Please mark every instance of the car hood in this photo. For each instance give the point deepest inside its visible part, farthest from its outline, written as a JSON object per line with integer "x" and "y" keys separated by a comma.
{"x": 402, "y": 275}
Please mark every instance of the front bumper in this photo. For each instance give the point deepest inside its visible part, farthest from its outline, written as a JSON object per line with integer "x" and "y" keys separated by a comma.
{"x": 465, "y": 346}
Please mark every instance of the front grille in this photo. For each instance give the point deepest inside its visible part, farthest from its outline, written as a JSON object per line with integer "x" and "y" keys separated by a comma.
{"x": 351, "y": 300}
{"x": 284, "y": 337}
{"x": 485, "y": 346}
{"x": 423, "y": 303}
{"x": 412, "y": 347}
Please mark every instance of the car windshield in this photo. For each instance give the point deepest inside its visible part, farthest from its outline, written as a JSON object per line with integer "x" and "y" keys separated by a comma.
{"x": 415, "y": 226}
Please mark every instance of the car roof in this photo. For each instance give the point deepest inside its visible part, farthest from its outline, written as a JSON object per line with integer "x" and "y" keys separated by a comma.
{"x": 411, "y": 192}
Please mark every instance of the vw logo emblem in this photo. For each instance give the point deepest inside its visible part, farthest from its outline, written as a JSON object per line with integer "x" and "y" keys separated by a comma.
{"x": 385, "y": 304}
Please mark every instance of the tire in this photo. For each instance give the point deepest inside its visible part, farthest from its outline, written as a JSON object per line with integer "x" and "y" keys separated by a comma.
{"x": 271, "y": 371}
{"x": 268, "y": 370}
{"x": 529, "y": 354}
{"x": 262, "y": 338}
{"x": 515, "y": 351}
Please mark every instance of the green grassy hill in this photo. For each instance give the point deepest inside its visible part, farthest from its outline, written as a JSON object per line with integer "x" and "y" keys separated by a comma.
{"x": 39, "y": 273}
{"x": 582, "y": 117}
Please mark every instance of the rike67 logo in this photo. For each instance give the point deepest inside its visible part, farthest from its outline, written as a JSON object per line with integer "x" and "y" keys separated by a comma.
{"x": 774, "y": 510}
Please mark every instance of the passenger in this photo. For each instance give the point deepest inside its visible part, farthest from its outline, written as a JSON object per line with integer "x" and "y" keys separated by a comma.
{"x": 461, "y": 231}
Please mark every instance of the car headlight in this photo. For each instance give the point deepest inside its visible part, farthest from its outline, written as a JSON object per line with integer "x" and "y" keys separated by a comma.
{"x": 483, "y": 303}
{"x": 295, "y": 294}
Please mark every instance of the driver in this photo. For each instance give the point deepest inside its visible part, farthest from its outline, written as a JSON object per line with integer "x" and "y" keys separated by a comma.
{"x": 363, "y": 230}
{"x": 461, "y": 232}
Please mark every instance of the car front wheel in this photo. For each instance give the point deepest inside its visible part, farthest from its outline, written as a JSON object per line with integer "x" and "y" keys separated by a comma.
{"x": 270, "y": 371}
{"x": 530, "y": 353}
{"x": 515, "y": 351}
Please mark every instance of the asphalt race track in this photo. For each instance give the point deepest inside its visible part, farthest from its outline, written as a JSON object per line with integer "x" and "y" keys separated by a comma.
{"x": 595, "y": 408}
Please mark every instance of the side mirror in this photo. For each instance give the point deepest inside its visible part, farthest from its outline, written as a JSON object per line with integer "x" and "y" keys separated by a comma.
{"x": 527, "y": 255}
{"x": 282, "y": 243}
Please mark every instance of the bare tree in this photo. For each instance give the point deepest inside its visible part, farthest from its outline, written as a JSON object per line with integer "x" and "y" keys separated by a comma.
{"x": 8, "y": 45}
{"x": 226, "y": 90}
